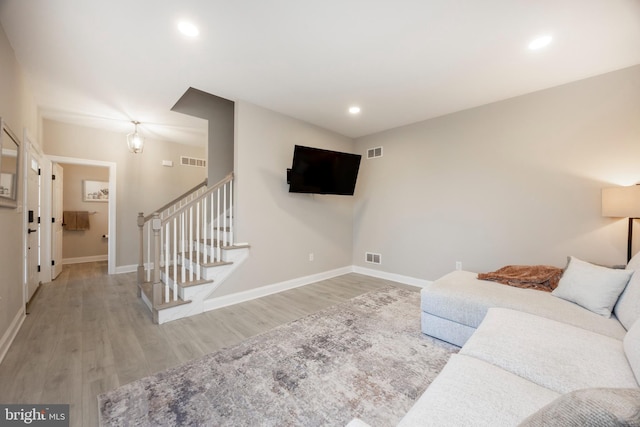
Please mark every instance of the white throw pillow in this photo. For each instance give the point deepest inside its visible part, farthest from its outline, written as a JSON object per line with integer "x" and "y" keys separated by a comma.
{"x": 593, "y": 287}
{"x": 634, "y": 264}
{"x": 627, "y": 309}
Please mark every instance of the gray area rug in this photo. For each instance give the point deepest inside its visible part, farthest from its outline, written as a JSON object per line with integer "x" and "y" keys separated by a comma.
{"x": 363, "y": 358}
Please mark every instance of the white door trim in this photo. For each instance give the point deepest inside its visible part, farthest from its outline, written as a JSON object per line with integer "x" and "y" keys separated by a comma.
{"x": 112, "y": 199}
{"x": 31, "y": 150}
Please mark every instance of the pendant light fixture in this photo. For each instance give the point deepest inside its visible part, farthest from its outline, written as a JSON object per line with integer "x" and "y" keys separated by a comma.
{"x": 135, "y": 141}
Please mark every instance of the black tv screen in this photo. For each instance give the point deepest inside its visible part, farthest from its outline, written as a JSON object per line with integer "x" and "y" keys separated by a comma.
{"x": 323, "y": 171}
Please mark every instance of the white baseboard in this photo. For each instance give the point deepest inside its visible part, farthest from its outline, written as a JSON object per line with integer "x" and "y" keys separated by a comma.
{"x": 224, "y": 301}
{"x": 131, "y": 268}
{"x": 121, "y": 269}
{"x": 227, "y": 300}
{"x": 11, "y": 333}
{"x": 80, "y": 260}
{"x": 407, "y": 280}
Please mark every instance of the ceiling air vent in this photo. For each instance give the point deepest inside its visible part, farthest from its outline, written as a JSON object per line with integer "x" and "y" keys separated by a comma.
{"x": 192, "y": 161}
{"x": 373, "y": 258}
{"x": 373, "y": 153}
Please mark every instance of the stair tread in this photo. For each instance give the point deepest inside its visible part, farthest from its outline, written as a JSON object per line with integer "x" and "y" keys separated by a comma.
{"x": 216, "y": 263}
{"x": 204, "y": 263}
{"x": 237, "y": 246}
{"x": 187, "y": 282}
{"x": 147, "y": 289}
{"x": 190, "y": 283}
{"x": 214, "y": 242}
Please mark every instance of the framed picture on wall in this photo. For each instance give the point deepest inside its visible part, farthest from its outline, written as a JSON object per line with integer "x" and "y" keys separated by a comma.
{"x": 95, "y": 191}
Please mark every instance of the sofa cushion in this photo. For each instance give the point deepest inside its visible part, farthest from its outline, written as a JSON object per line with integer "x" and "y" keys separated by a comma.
{"x": 552, "y": 354}
{"x": 627, "y": 309}
{"x": 591, "y": 286}
{"x": 632, "y": 348}
{"x": 470, "y": 392}
{"x": 593, "y": 407}
{"x": 445, "y": 329}
{"x": 462, "y": 298}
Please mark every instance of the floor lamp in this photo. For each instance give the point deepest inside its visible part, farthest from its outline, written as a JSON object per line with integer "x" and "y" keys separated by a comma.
{"x": 622, "y": 202}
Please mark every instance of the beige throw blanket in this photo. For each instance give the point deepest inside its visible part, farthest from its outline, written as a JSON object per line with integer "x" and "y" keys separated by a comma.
{"x": 540, "y": 277}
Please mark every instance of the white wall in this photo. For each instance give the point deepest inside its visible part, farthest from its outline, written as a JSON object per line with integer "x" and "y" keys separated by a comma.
{"x": 18, "y": 109}
{"x": 283, "y": 228}
{"x": 513, "y": 182}
{"x": 143, "y": 184}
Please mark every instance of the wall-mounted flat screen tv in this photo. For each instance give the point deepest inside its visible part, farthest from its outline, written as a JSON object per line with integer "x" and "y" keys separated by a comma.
{"x": 323, "y": 171}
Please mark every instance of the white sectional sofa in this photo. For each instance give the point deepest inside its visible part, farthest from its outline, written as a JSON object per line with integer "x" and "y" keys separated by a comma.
{"x": 533, "y": 357}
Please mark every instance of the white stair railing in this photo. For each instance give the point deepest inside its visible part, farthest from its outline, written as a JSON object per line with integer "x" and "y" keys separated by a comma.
{"x": 182, "y": 236}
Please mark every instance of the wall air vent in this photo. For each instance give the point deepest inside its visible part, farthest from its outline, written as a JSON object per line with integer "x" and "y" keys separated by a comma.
{"x": 373, "y": 153}
{"x": 191, "y": 161}
{"x": 373, "y": 258}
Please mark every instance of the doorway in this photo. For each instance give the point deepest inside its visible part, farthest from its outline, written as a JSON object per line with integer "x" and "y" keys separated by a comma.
{"x": 110, "y": 194}
{"x": 85, "y": 235}
{"x": 57, "y": 193}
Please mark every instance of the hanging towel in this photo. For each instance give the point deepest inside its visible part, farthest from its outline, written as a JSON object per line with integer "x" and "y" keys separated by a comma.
{"x": 75, "y": 220}
{"x": 69, "y": 220}
{"x": 82, "y": 220}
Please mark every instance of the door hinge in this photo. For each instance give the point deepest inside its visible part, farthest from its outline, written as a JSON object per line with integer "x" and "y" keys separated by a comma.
{"x": 53, "y": 262}
{"x": 38, "y": 269}
{"x": 39, "y": 171}
{"x": 38, "y": 220}
{"x": 53, "y": 220}
{"x": 53, "y": 177}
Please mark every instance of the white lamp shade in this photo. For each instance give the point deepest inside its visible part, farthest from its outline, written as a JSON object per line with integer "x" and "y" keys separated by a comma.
{"x": 621, "y": 202}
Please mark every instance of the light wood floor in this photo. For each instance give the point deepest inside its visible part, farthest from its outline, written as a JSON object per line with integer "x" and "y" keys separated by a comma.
{"x": 88, "y": 333}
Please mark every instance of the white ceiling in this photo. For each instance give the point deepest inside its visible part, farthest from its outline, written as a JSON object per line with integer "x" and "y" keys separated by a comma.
{"x": 104, "y": 63}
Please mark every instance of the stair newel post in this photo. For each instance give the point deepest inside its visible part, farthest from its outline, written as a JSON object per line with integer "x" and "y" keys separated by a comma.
{"x": 225, "y": 213}
{"x": 231, "y": 238}
{"x": 211, "y": 218}
{"x": 198, "y": 208}
{"x": 156, "y": 226}
{"x": 218, "y": 225}
{"x": 140, "y": 251}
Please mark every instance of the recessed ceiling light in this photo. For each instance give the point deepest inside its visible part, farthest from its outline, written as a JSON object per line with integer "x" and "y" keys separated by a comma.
{"x": 540, "y": 42}
{"x": 354, "y": 110}
{"x": 188, "y": 29}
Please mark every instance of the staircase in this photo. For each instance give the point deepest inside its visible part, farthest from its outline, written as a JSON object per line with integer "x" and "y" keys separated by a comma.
{"x": 187, "y": 250}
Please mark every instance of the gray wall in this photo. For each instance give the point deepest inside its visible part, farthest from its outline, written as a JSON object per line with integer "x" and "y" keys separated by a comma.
{"x": 143, "y": 184}
{"x": 284, "y": 228}
{"x": 514, "y": 182}
{"x": 219, "y": 113}
{"x": 18, "y": 109}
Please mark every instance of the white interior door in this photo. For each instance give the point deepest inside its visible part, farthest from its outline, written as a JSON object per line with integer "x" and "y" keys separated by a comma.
{"x": 33, "y": 230}
{"x": 56, "y": 230}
